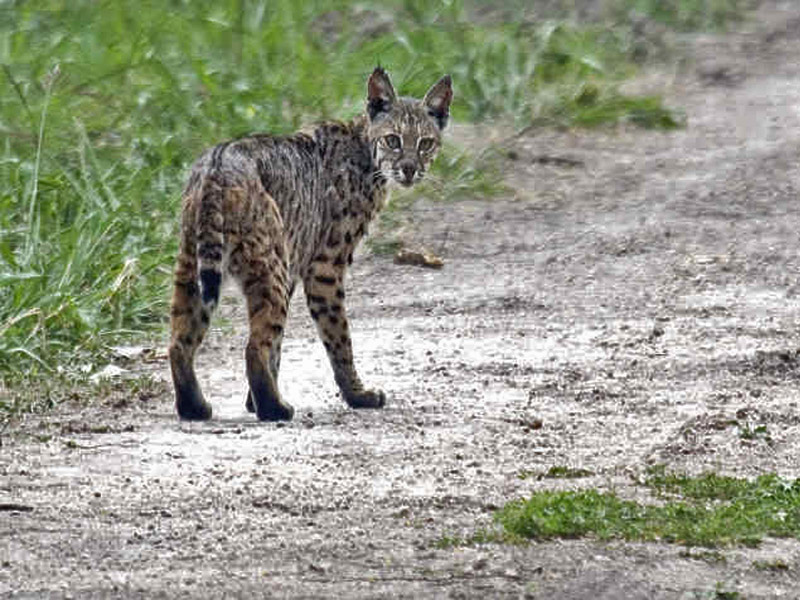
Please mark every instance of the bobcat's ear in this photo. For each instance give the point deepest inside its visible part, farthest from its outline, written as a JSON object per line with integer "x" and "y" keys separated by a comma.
{"x": 380, "y": 93}
{"x": 437, "y": 100}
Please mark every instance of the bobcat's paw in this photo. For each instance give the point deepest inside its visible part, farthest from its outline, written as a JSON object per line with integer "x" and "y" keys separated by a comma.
{"x": 366, "y": 399}
{"x": 272, "y": 410}
{"x": 275, "y": 412}
{"x": 189, "y": 401}
{"x": 196, "y": 409}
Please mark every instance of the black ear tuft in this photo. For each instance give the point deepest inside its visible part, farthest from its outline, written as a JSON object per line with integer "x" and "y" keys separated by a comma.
{"x": 438, "y": 100}
{"x": 380, "y": 93}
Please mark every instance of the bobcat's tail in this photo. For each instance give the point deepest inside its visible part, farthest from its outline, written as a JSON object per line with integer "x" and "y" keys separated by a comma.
{"x": 210, "y": 241}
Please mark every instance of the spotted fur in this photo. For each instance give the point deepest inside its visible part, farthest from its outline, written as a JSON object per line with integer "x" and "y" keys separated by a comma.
{"x": 273, "y": 211}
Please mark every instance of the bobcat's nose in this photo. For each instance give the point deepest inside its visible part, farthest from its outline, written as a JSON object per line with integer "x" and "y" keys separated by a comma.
{"x": 408, "y": 170}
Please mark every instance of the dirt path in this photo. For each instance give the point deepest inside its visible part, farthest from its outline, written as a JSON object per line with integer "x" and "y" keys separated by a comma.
{"x": 634, "y": 305}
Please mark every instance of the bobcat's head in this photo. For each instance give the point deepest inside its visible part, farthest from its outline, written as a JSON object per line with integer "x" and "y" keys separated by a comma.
{"x": 405, "y": 133}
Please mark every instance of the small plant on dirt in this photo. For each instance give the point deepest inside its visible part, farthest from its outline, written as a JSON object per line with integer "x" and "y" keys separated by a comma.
{"x": 722, "y": 592}
{"x": 562, "y": 472}
{"x": 777, "y": 565}
{"x": 708, "y": 510}
{"x": 708, "y": 556}
{"x": 750, "y": 432}
{"x": 556, "y": 472}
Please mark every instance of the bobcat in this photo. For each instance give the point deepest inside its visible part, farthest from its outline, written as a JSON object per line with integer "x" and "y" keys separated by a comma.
{"x": 271, "y": 211}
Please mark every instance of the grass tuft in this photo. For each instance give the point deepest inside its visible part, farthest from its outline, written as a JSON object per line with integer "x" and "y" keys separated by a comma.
{"x": 482, "y": 536}
{"x": 35, "y": 395}
{"x": 708, "y": 510}
{"x": 686, "y": 15}
{"x": 556, "y": 472}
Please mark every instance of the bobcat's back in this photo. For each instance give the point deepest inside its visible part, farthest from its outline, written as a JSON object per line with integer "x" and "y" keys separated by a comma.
{"x": 322, "y": 183}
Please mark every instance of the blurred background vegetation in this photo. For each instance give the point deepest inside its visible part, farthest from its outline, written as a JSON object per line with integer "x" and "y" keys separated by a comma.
{"x": 105, "y": 103}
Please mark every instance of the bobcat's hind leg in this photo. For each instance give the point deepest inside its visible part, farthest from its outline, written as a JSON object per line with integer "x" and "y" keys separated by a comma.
{"x": 274, "y": 368}
{"x": 189, "y": 322}
{"x": 274, "y": 360}
{"x": 267, "y": 311}
{"x": 259, "y": 263}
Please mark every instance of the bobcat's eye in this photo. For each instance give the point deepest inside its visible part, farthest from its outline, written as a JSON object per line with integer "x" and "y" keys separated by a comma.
{"x": 393, "y": 141}
{"x": 425, "y": 144}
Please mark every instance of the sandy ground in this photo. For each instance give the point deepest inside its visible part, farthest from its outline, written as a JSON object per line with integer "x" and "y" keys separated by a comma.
{"x": 635, "y": 304}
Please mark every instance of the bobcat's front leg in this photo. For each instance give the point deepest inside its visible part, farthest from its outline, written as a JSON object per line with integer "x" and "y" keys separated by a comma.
{"x": 325, "y": 297}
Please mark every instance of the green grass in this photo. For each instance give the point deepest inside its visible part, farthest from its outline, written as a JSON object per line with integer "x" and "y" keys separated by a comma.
{"x": 686, "y": 14}
{"x": 39, "y": 395}
{"x": 722, "y": 592}
{"x": 707, "y": 510}
{"x": 104, "y": 105}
